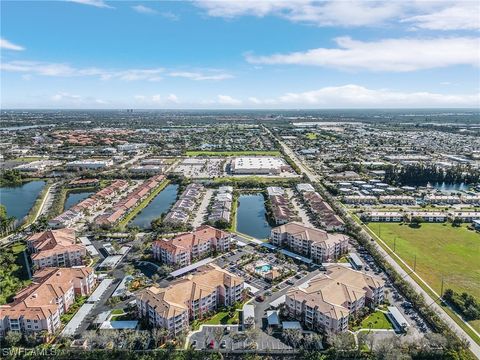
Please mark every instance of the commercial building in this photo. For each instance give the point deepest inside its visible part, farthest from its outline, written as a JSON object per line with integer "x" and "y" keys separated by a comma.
{"x": 189, "y": 298}
{"x": 57, "y": 248}
{"x": 182, "y": 249}
{"x": 88, "y": 164}
{"x": 315, "y": 244}
{"x": 38, "y": 307}
{"x": 261, "y": 165}
{"x": 328, "y": 300}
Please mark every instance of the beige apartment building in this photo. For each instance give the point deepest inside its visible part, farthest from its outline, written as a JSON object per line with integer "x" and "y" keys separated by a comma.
{"x": 315, "y": 244}
{"x": 189, "y": 298}
{"x": 39, "y": 306}
{"x": 56, "y": 248}
{"x": 181, "y": 249}
{"x": 329, "y": 299}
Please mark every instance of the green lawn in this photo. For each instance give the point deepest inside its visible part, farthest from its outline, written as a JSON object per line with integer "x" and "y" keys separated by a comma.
{"x": 440, "y": 250}
{"x": 233, "y": 153}
{"x": 311, "y": 136}
{"x": 222, "y": 318}
{"x": 376, "y": 320}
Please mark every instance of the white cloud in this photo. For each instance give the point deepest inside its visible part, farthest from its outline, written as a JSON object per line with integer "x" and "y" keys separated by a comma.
{"x": 460, "y": 16}
{"x": 228, "y": 100}
{"x": 144, "y": 9}
{"x": 200, "y": 76}
{"x": 66, "y": 98}
{"x": 321, "y": 13}
{"x": 355, "y": 96}
{"x": 173, "y": 98}
{"x": 96, "y": 3}
{"x": 156, "y": 98}
{"x": 5, "y": 44}
{"x": 65, "y": 70}
{"x": 384, "y": 55}
{"x": 435, "y": 15}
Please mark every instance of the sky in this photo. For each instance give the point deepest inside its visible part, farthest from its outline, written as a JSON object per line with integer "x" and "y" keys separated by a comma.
{"x": 264, "y": 54}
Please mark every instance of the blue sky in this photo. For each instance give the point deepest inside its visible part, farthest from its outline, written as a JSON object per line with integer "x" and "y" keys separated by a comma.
{"x": 239, "y": 54}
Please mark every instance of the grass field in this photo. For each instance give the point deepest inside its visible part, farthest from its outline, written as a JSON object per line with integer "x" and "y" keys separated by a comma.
{"x": 376, "y": 320}
{"x": 441, "y": 250}
{"x": 311, "y": 136}
{"x": 233, "y": 153}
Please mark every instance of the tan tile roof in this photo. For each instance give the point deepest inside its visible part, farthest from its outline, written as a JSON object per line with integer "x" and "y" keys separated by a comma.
{"x": 51, "y": 242}
{"x": 174, "y": 299}
{"x": 37, "y": 301}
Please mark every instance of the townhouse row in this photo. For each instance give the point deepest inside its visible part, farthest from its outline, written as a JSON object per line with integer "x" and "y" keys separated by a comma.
{"x": 71, "y": 216}
{"x": 326, "y": 216}
{"x": 183, "y": 208}
{"x": 221, "y": 206}
{"x": 121, "y": 208}
{"x": 426, "y": 216}
{"x": 282, "y": 212}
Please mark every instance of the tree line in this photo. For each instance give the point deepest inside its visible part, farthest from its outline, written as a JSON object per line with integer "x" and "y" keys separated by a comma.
{"x": 422, "y": 174}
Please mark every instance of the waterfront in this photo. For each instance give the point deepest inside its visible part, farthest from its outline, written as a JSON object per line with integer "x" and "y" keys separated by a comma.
{"x": 158, "y": 206}
{"x": 74, "y": 198}
{"x": 19, "y": 199}
{"x": 251, "y": 216}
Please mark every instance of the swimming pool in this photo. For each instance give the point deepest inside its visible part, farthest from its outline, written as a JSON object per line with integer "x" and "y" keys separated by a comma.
{"x": 264, "y": 268}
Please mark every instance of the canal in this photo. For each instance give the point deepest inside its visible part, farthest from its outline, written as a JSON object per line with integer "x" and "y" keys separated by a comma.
{"x": 251, "y": 216}
{"x": 19, "y": 199}
{"x": 158, "y": 206}
{"x": 73, "y": 198}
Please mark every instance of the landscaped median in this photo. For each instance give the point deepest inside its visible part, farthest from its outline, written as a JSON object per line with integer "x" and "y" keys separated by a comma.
{"x": 143, "y": 204}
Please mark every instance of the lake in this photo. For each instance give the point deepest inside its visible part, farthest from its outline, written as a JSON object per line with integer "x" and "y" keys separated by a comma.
{"x": 251, "y": 216}
{"x": 73, "y": 198}
{"x": 19, "y": 199}
{"x": 158, "y": 206}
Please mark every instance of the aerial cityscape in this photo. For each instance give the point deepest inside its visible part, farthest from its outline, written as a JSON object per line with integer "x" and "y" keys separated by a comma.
{"x": 240, "y": 180}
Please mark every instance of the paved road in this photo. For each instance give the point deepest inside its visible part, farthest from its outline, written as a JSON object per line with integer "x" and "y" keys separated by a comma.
{"x": 202, "y": 209}
{"x": 474, "y": 347}
{"x": 299, "y": 208}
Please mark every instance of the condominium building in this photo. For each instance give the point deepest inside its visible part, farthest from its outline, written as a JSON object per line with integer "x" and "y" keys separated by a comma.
{"x": 328, "y": 300}
{"x": 430, "y": 216}
{"x": 181, "y": 249}
{"x": 39, "y": 306}
{"x": 189, "y": 298}
{"x": 57, "y": 248}
{"x": 315, "y": 244}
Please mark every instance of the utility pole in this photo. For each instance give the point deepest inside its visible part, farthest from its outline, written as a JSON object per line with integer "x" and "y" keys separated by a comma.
{"x": 415, "y": 263}
{"x": 394, "y": 244}
{"x": 441, "y": 289}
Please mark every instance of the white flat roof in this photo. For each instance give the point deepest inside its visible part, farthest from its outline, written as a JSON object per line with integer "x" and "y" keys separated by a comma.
{"x": 99, "y": 291}
{"x": 397, "y": 316}
{"x": 275, "y": 303}
{"x": 253, "y": 289}
{"x": 77, "y": 319}
{"x": 248, "y": 311}
{"x": 191, "y": 267}
{"x": 257, "y": 162}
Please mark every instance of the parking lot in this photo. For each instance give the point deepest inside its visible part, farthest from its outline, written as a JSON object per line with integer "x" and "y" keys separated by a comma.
{"x": 201, "y": 168}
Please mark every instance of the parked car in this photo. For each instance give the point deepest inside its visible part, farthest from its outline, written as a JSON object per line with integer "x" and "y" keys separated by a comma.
{"x": 223, "y": 344}
{"x": 194, "y": 344}
{"x": 211, "y": 344}
{"x": 260, "y": 298}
